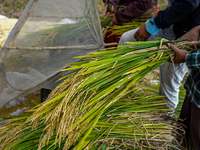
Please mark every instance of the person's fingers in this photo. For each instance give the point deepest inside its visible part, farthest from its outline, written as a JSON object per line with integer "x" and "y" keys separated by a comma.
{"x": 173, "y": 47}
{"x": 113, "y": 9}
{"x": 111, "y": 15}
{"x": 111, "y": 23}
{"x": 143, "y": 39}
{"x": 195, "y": 47}
{"x": 169, "y": 45}
{"x": 135, "y": 35}
{"x": 137, "y": 38}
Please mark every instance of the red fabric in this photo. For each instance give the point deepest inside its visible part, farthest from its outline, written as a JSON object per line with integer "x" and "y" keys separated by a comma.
{"x": 108, "y": 38}
{"x": 156, "y": 11}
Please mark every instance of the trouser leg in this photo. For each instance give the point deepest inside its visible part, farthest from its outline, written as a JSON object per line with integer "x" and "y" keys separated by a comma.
{"x": 189, "y": 116}
{"x": 194, "y": 135}
{"x": 185, "y": 118}
{"x": 171, "y": 76}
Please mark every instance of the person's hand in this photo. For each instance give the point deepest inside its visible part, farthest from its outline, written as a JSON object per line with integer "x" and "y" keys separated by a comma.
{"x": 114, "y": 20}
{"x": 108, "y": 14}
{"x": 192, "y": 35}
{"x": 179, "y": 54}
{"x": 142, "y": 34}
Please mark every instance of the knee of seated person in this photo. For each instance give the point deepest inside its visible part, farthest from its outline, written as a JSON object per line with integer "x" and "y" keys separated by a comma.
{"x": 127, "y": 37}
{"x": 122, "y": 39}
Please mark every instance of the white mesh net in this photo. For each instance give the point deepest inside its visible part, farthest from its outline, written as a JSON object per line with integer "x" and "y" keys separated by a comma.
{"x": 48, "y": 35}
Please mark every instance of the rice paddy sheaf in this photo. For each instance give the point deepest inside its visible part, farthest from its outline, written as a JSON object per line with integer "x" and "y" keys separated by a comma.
{"x": 102, "y": 105}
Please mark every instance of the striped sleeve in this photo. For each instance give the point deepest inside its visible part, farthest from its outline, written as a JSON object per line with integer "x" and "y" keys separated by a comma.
{"x": 192, "y": 60}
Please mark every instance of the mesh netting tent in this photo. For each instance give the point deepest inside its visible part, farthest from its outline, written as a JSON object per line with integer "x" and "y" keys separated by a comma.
{"x": 48, "y": 35}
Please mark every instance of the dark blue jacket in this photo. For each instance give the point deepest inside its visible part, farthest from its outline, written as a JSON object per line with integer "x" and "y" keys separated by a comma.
{"x": 184, "y": 14}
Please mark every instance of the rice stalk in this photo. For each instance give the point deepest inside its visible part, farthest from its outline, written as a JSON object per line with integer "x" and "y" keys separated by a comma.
{"x": 74, "y": 109}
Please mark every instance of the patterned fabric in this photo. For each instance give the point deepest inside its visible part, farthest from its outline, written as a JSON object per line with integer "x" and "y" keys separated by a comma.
{"x": 192, "y": 84}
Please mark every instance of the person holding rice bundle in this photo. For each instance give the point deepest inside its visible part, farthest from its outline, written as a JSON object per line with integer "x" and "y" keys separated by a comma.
{"x": 191, "y": 107}
{"x": 123, "y": 11}
{"x": 179, "y": 17}
{"x": 127, "y": 10}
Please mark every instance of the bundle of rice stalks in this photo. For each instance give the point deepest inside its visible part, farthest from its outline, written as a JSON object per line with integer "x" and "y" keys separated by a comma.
{"x": 105, "y": 22}
{"x": 120, "y": 29}
{"x": 136, "y": 122}
{"x": 65, "y": 34}
{"x": 93, "y": 106}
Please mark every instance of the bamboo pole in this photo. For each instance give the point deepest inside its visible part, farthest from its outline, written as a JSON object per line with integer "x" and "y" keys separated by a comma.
{"x": 42, "y": 16}
{"x": 81, "y": 47}
{"x": 99, "y": 22}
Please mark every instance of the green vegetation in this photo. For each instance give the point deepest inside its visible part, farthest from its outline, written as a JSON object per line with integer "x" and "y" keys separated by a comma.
{"x": 103, "y": 103}
{"x": 107, "y": 104}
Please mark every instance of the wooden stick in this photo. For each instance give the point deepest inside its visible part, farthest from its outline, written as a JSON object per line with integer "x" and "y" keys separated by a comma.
{"x": 41, "y": 16}
{"x": 99, "y": 22}
{"x": 81, "y": 47}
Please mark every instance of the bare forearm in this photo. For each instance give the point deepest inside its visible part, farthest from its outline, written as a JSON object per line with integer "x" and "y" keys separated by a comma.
{"x": 192, "y": 35}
